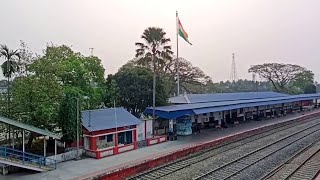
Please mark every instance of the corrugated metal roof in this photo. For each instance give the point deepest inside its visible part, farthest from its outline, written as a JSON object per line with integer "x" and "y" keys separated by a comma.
{"x": 29, "y": 127}
{"x": 225, "y": 103}
{"x": 175, "y": 111}
{"x": 217, "y": 97}
{"x": 101, "y": 119}
{"x": 178, "y": 100}
{"x": 237, "y": 106}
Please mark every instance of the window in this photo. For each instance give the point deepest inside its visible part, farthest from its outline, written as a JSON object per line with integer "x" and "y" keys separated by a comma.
{"x": 105, "y": 141}
{"x": 125, "y": 137}
{"x": 204, "y": 114}
{"x": 110, "y": 138}
{"x": 102, "y": 138}
{"x": 211, "y": 114}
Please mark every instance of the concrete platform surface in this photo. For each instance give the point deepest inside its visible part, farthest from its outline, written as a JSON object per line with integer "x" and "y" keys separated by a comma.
{"x": 77, "y": 169}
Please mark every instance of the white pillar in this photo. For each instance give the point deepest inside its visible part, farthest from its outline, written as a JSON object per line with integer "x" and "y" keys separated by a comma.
{"x": 272, "y": 112}
{"x": 13, "y": 139}
{"x": 23, "y": 148}
{"x": 171, "y": 125}
{"x": 44, "y": 146}
{"x": 55, "y": 149}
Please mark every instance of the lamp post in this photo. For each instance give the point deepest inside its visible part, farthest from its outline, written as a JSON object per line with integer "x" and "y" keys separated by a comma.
{"x": 77, "y": 124}
{"x": 78, "y": 104}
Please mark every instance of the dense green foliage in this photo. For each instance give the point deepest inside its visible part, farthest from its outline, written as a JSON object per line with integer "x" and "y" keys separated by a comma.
{"x": 134, "y": 86}
{"x": 238, "y": 86}
{"x": 42, "y": 92}
{"x": 286, "y": 78}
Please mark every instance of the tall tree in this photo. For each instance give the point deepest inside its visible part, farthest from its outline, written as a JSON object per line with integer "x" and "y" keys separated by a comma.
{"x": 9, "y": 67}
{"x": 192, "y": 78}
{"x": 280, "y": 75}
{"x": 36, "y": 101}
{"x": 310, "y": 89}
{"x": 135, "y": 89}
{"x": 156, "y": 51}
{"x": 67, "y": 116}
{"x": 73, "y": 70}
{"x": 303, "y": 79}
{"x": 26, "y": 58}
{"x": 112, "y": 91}
{"x": 53, "y": 76}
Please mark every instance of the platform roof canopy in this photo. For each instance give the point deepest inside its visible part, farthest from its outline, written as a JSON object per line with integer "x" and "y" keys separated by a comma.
{"x": 216, "y": 97}
{"x": 175, "y": 111}
{"x": 29, "y": 127}
{"x": 109, "y": 118}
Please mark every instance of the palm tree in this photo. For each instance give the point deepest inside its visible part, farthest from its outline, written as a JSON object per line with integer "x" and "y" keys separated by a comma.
{"x": 154, "y": 52}
{"x": 9, "y": 67}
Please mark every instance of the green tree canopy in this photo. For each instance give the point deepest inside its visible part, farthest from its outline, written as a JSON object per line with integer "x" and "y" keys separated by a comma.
{"x": 10, "y": 66}
{"x": 155, "y": 46}
{"x": 135, "y": 89}
{"x": 310, "y": 89}
{"x": 37, "y": 100}
{"x": 73, "y": 70}
{"x": 42, "y": 97}
{"x": 280, "y": 75}
{"x": 112, "y": 91}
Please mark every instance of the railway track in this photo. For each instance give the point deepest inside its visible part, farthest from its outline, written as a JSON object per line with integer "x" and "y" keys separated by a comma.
{"x": 274, "y": 134}
{"x": 304, "y": 165}
{"x": 231, "y": 169}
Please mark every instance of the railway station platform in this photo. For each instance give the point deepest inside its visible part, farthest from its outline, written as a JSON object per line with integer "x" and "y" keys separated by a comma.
{"x": 89, "y": 168}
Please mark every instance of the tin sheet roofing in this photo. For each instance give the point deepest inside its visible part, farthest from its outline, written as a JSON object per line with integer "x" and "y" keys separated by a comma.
{"x": 29, "y": 127}
{"x": 216, "y": 97}
{"x": 175, "y": 111}
{"x": 101, "y": 119}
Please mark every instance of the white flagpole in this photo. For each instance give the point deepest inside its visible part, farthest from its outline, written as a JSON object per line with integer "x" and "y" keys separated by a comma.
{"x": 116, "y": 119}
{"x": 178, "y": 66}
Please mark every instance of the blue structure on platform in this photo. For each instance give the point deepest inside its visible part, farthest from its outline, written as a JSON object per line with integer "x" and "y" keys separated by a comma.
{"x": 194, "y": 104}
{"x": 26, "y": 160}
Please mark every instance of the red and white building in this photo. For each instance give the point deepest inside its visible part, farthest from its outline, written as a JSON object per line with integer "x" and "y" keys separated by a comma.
{"x": 109, "y": 131}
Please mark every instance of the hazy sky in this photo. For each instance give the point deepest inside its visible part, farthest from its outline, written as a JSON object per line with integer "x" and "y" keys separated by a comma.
{"x": 257, "y": 31}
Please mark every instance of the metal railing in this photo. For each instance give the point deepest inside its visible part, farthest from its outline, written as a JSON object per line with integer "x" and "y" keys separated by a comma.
{"x": 27, "y": 159}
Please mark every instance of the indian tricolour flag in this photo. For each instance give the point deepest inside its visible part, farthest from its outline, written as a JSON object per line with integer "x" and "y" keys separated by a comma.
{"x": 182, "y": 32}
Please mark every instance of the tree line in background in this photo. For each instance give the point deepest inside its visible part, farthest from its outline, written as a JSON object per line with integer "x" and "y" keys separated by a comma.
{"x": 42, "y": 90}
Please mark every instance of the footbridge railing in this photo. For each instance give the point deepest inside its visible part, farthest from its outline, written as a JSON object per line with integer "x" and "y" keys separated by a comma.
{"x": 27, "y": 159}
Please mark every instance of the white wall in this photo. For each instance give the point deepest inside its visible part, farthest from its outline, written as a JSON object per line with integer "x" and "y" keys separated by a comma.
{"x": 141, "y": 129}
{"x": 65, "y": 156}
{"x": 202, "y": 119}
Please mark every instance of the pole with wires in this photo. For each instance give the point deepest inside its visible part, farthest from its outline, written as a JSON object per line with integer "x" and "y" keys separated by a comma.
{"x": 177, "y": 61}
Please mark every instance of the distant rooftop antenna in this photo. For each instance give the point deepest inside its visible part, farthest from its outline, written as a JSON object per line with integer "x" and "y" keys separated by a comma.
{"x": 254, "y": 77}
{"x": 91, "y": 51}
{"x": 233, "y": 74}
